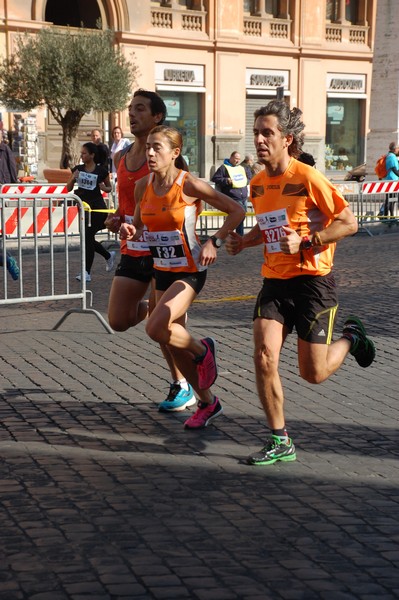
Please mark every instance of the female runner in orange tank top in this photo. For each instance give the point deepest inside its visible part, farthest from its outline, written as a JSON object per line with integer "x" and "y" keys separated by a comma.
{"x": 167, "y": 203}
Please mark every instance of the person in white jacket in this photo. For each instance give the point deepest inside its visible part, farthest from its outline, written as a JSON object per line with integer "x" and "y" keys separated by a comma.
{"x": 119, "y": 143}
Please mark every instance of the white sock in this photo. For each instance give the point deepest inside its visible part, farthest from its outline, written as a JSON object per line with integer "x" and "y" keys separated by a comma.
{"x": 183, "y": 383}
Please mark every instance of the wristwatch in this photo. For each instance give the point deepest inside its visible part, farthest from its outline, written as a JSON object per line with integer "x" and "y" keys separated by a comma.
{"x": 216, "y": 242}
{"x": 306, "y": 243}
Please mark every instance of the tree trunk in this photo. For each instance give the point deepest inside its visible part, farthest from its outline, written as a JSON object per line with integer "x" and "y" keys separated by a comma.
{"x": 70, "y": 142}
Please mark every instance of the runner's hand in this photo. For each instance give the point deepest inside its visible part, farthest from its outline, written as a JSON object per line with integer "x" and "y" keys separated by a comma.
{"x": 208, "y": 254}
{"x": 234, "y": 243}
{"x": 127, "y": 231}
{"x": 290, "y": 243}
{"x": 113, "y": 223}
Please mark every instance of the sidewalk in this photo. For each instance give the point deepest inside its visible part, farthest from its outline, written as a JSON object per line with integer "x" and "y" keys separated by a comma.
{"x": 105, "y": 498}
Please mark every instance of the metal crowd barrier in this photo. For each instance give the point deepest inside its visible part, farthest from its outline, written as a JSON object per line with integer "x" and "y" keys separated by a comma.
{"x": 43, "y": 225}
{"x": 369, "y": 202}
{"x": 38, "y": 188}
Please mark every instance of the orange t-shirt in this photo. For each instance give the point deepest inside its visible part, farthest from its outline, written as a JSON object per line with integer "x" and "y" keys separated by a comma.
{"x": 126, "y": 204}
{"x": 171, "y": 223}
{"x": 304, "y": 200}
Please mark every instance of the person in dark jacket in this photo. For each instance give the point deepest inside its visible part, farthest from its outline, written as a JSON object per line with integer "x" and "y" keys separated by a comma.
{"x": 8, "y": 174}
{"x": 8, "y": 166}
{"x": 233, "y": 179}
{"x": 105, "y": 153}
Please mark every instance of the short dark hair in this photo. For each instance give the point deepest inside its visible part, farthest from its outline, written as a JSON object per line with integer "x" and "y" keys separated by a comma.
{"x": 289, "y": 123}
{"x": 307, "y": 158}
{"x": 392, "y": 146}
{"x": 158, "y": 106}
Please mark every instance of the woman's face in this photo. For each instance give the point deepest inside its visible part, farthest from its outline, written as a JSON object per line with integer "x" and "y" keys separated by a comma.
{"x": 117, "y": 134}
{"x": 85, "y": 155}
{"x": 159, "y": 153}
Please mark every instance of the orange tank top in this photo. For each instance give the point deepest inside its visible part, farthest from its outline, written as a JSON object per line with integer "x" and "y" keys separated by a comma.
{"x": 126, "y": 184}
{"x": 171, "y": 223}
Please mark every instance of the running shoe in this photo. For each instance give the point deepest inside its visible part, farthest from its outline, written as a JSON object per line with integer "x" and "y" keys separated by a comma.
{"x": 109, "y": 263}
{"x": 87, "y": 277}
{"x": 204, "y": 415}
{"x": 362, "y": 348}
{"x": 206, "y": 365}
{"x": 178, "y": 399}
{"x": 12, "y": 267}
{"x": 274, "y": 450}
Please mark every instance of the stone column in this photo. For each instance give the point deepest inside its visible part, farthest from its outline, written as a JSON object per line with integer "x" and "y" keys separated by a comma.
{"x": 384, "y": 101}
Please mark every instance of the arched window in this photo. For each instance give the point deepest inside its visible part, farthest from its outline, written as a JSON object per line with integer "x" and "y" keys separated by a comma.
{"x": 75, "y": 13}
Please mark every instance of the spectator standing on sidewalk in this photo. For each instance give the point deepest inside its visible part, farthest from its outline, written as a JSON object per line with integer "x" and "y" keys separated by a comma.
{"x": 248, "y": 164}
{"x": 8, "y": 174}
{"x": 119, "y": 143}
{"x": 92, "y": 178}
{"x": 104, "y": 153}
{"x": 168, "y": 202}
{"x": 232, "y": 179}
{"x": 133, "y": 276}
{"x": 300, "y": 217}
{"x": 392, "y": 167}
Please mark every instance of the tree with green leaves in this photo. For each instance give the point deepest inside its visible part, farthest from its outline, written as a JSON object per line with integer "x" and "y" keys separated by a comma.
{"x": 69, "y": 72}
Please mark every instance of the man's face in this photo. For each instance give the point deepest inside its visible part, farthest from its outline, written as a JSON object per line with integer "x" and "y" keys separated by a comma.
{"x": 140, "y": 117}
{"x": 95, "y": 136}
{"x": 235, "y": 159}
{"x": 396, "y": 150}
{"x": 271, "y": 146}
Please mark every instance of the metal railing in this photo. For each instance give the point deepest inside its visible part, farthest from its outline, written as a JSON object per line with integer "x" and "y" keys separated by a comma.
{"x": 43, "y": 226}
{"x": 369, "y": 209}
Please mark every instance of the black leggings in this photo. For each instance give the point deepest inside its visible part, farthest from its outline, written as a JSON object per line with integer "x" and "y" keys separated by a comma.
{"x": 92, "y": 246}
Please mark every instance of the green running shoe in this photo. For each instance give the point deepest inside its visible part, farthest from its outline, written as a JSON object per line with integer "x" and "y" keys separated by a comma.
{"x": 273, "y": 451}
{"x": 362, "y": 348}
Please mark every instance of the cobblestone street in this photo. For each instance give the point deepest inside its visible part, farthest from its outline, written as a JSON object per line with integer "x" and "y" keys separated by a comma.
{"x": 104, "y": 497}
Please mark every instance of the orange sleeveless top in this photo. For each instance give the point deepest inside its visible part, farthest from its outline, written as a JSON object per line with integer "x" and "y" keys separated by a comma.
{"x": 126, "y": 184}
{"x": 171, "y": 223}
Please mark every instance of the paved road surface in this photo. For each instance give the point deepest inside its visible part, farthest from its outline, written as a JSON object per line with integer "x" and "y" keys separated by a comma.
{"x": 103, "y": 497}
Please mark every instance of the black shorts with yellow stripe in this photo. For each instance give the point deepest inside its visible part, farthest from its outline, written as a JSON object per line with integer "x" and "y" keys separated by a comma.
{"x": 308, "y": 303}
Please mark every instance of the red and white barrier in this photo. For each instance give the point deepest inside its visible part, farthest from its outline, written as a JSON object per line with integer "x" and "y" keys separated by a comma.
{"x": 380, "y": 187}
{"x": 21, "y": 188}
{"x": 27, "y": 222}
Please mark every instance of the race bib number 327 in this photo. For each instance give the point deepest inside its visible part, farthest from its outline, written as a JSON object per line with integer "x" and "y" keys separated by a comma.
{"x": 271, "y": 224}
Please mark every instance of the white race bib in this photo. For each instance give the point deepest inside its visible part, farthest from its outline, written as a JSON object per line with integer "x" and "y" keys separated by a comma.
{"x": 87, "y": 181}
{"x": 167, "y": 249}
{"x": 140, "y": 244}
{"x": 271, "y": 224}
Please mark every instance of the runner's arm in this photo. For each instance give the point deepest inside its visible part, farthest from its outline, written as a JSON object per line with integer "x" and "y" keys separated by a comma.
{"x": 342, "y": 226}
{"x": 235, "y": 243}
{"x": 196, "y": 188}
{"x": 132, "y": 231}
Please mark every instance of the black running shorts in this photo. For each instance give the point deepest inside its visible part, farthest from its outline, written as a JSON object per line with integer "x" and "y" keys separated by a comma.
{"x": 164, "y": 279}
{"x": 308, "y": 303}
{"x": 136, "y": 267}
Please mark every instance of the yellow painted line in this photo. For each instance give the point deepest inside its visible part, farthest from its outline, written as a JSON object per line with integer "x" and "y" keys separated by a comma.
{"x": 226, "y": 299}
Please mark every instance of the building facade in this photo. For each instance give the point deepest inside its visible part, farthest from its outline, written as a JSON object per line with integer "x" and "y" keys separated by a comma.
{"x": 215, "y": 61}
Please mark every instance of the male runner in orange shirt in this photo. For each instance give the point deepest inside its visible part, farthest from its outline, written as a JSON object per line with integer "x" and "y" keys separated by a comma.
{"x": 133, "y": 275}
{"x": 300, "y": 216}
